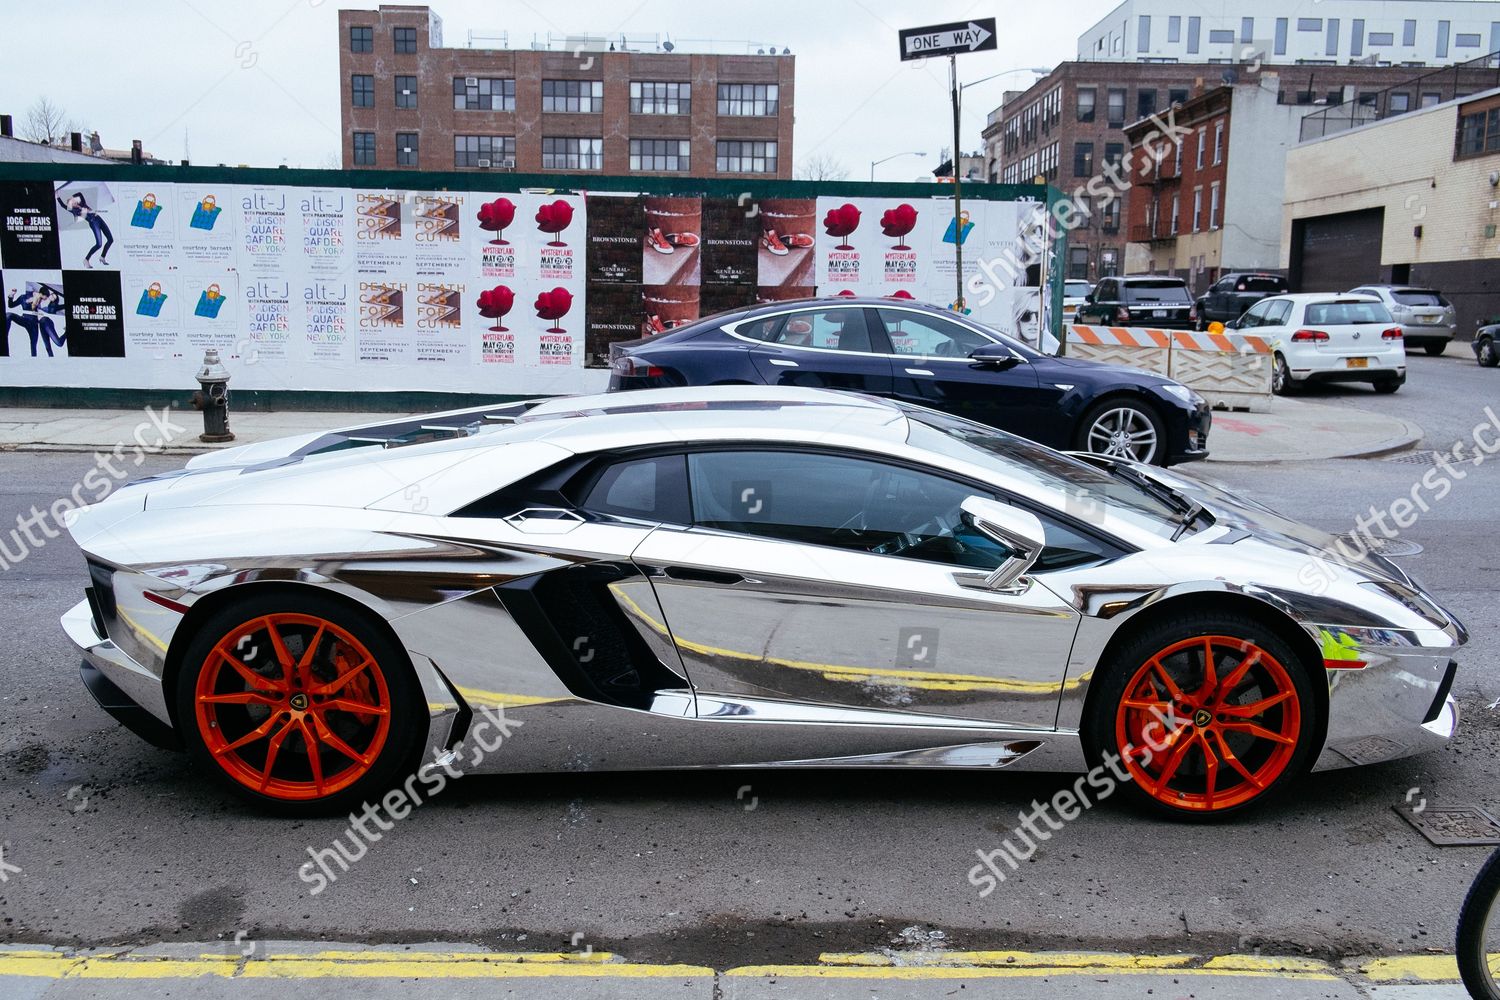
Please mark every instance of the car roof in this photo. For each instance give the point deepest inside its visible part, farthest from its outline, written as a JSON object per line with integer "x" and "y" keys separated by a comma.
{"x": 1322, "y": 296}
{"x": 1151, "y": 277}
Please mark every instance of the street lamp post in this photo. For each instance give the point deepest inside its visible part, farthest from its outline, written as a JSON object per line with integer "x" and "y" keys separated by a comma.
{"x": 875, "y": 163}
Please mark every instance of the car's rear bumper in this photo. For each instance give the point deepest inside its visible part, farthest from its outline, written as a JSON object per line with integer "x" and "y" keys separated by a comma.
{"x": 1425, "y": 334}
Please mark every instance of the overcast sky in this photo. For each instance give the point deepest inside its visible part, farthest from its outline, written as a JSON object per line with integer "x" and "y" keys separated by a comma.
{"x": 256, "y": 81}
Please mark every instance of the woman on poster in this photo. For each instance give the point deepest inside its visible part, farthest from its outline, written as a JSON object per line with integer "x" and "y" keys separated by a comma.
{"x": 32, "y": 310}
{"x": 103, "y": 238}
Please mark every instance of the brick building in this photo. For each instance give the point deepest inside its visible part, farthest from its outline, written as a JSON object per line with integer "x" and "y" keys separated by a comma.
{"x": 1066, "y": 126}
{"x": 409, "y": 101}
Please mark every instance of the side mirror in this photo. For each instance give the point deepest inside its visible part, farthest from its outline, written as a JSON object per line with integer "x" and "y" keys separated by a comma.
{"x": 1018, "y": 530}
{"x": 994, "y": 357}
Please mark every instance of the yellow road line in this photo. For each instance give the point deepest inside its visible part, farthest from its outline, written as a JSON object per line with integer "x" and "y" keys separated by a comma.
{"x": 1009, "y": 972}
{"x": 1009, "y": 959}
{"x": 1406, "y": 968}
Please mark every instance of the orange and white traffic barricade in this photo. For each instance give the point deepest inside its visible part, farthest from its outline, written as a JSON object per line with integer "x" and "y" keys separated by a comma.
{"x": 1230, "y": 369}
{"x": 1118, "y": 345}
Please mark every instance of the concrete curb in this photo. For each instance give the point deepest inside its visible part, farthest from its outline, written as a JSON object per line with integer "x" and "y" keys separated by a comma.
{"x": 1409, "y": 438}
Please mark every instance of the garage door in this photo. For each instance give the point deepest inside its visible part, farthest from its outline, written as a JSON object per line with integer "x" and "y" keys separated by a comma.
{"x": 1333, "y": 253}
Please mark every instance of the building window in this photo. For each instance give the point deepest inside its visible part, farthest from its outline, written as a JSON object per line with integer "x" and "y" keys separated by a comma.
{"x": 1145, "y": 102}
{"x": 361, "y": 39}
{"x": 1431, "y": 98}
{"x": 1382, "y": 38}
{"x": 1143, "y": 33}
{"x": 573, "y": 96}
{"x": 481, "y": 93}
{"x": 362, "y": 90}
{"x": 1176, "y": 202}
{"x": 1078, "y": 263}
{"x": 1357, "y": 38}
{"x": 1464, "y": 40}
{"x": 1177, "y": 95}
{"x": 484, "y": 151}
{"x": 1087, "y": 97}
{"x": 1442, "y": 40}
{"x": 406, "y": 149}
{"x": 745, "y": 157}
{"x": 1202, "y": 145}
{"x": 1333, "y": 37}
{"x": 1280, "y": 47}
{"x": 1479, "y": 133}
{"x": 1409, "y": 33}
{"x": 1083, "y": 159}
{"x": 364, "y": 149}
{"x": 749, "y": 100}
{"x": 405, "y": 39}
{"x": 406, "y": 92}
{"x": 648, "y": 98}
{"x": 1195, "y": 29}
{"x": 1116, "y": 106}
{"x": 1213, "y": 206}
{"x": 1309, "y": 24}
{"x": 659, "y": 154}
{"x": 1110, "y": 218}
{"x": 572, "y": 153}
{"x": 1220, "y": 36}
{"x": 1174, "y": 30}
{"x": 1400, "y": 104}
{"x": 1114, "y": 153}
{"x": 1247, "y": 30}
{"x": 1218, "y": 143}
{"x": 1197, "y": 209}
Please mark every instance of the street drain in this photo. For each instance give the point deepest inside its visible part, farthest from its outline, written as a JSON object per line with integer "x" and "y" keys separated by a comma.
{"x": 1391, "y": 548}
{"x": 1454, "y": 826}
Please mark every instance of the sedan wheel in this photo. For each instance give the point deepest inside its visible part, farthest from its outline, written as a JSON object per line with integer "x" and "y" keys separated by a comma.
{"x": 1123, "y": 430}
{"x": 1488, "y": 356}
{"x": 298, "y": 708}
{"x": 1207, "y": 715}
{"x": 1435, "y": 348}
{"x": 1282, "y": 383}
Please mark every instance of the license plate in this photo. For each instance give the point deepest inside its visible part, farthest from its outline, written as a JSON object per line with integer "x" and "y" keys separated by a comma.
{"x": 1359, "y": 362}
{"x": 1428, "y": 318}
{"x": 1158, "y": 314}
{"x": 1069, "y": 310}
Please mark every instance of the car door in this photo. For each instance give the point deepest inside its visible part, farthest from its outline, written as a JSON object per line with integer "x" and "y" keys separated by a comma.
{"x": 823, "y": 347}
{"x": 1217, "y": 304}
{"x": 1096, "y": 309}
{"x": 842, "y": 581}
{"x": 930, "y": 366}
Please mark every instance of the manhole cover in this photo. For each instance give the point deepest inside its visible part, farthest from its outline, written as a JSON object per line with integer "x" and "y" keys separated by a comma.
{"x": 1391, "y": 548}
{"x": 1454, "y": 826}
{"x": 1370, "y": 750}
{"x": 1414, "y": 458}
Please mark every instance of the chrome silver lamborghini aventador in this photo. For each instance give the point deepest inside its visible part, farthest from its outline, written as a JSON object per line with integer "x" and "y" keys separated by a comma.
{"x": 740, "y": 576}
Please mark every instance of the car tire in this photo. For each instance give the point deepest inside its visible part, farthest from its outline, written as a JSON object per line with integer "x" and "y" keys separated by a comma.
{"x": 265, "y": 678}
{"x": 1101, "y": 423}
{"x": 1435, "y": 348}
{"x": 1389, "y": 385}
{"x": 1158, "y": 715}
{"x": 1488, "y": 355}
{"x": 1282, "y": 383}
{"x": 1476, "y": 919}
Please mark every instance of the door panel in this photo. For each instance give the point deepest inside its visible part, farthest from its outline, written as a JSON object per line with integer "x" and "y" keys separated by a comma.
{"x": 824, "y": 348}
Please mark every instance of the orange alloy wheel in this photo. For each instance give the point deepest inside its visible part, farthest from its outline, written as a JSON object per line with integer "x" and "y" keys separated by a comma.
{"x": 1227, "y": 716}
{"x": 292, "y": 706}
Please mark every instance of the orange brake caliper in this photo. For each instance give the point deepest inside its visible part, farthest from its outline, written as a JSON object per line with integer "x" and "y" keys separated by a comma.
{"x": 360, "y": 686}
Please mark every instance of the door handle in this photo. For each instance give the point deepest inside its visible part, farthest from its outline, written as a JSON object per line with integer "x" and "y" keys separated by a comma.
{"x": 783, "y": 363}
{"x": 918, "y": 371}
{"x": 689, "y": 574}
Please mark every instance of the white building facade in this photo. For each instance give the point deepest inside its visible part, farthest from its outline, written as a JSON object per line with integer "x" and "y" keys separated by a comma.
{"x": 1397, "y": 32}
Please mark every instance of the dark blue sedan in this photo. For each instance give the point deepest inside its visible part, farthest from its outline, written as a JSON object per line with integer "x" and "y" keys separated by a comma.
{"x": 932, "y": 357}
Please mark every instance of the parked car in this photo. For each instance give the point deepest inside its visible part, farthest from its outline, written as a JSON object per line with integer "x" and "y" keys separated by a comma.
{"x": 1229, "y": 297}
{"x": 1487, "y": 345}
{"x": 1427, "y": 318}
{"x": 1328, "y": 337}
{"x": 719, "y": 577}
{"x": 1140, "y": 300}
{"x": 932, "y": 357}
{"x": 1075, "y": 294}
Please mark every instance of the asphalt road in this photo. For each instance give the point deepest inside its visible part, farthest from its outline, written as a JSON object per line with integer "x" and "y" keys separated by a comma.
{"x": 118, "y": 842}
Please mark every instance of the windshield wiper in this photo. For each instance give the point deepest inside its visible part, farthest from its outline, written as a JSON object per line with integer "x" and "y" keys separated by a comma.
{"x": 1147, "y": 485}
{"x": 1189, "y": 517}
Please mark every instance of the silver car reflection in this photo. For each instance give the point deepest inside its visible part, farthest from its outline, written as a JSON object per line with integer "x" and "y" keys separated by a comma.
{"x": 740, "y": 576}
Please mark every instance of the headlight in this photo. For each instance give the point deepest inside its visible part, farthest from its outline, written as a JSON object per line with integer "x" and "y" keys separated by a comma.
{"x": 1413, "y": 600}
{"x": 1183, "y": 393}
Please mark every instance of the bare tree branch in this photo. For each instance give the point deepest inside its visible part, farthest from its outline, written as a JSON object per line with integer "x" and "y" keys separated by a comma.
{"x": 822, "y": 167}
{"x": 45, "y": 122}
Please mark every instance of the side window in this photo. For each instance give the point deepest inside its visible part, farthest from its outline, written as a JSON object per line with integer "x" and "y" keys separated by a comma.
{"x": 650, "y": 489}
{"x": 761, "y": 329}
{"x": 1256, "y": 314}
{"x": 831, "y": 329}
{"x": 919, "y": 335}
{"x": 1277, "y": 311}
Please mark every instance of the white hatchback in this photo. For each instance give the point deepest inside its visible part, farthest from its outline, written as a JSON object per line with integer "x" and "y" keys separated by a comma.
{"x": 1328, "y": 337}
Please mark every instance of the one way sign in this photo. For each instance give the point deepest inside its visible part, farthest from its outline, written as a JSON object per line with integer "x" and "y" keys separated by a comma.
{"x": 948, "y": 39}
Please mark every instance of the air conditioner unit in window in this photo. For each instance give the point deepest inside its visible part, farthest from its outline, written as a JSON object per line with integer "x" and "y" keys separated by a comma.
{"x": 483, "y": 164}
{"x": 471, "y": 81}
{"x": 509, "y": 164}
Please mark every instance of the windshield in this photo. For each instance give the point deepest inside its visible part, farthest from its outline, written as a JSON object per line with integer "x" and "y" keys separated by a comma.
{"x": 1029, "y": 353}
{"x": 1347, "y": 313}
{"x": 1418, "y": 297}
{"x": 1077, "y": 289}
{"x": 1268, "y": 285}
{"x": 1085, "y": 488}
{"x": 1156, "y": 291}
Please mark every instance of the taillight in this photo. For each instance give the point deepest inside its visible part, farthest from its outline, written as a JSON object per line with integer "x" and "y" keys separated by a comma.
{"x": 1122, "y": 315}
{"x": 1394, "y": 333}
{"x": 1309, "y": 337}
{"x": 632, "y": 367}
{"x": 1193, "y": 312}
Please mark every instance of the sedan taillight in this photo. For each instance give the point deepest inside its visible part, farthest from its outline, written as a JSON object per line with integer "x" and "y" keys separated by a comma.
{"x": 630, "y": 366}
{"x": 1122, "y": 315}
{"x": 1394, "y": 333}
{"x": 1309, "y": 337}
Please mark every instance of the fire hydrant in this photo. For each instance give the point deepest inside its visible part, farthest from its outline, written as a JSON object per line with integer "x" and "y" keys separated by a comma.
{"x": 213, "y": 398}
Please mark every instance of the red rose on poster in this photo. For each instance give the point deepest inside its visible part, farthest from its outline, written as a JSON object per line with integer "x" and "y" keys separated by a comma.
{"x": 494, "y": 216}
{"x": 901, "y": 293}
{"x": 495, "y": 303}
{"x": 847, "y": 293}
{"x": 841, "y": 222}
{"x": 554, "y": 218}
{"x": 554, "y": 305}
{"x": 897, "y": 222}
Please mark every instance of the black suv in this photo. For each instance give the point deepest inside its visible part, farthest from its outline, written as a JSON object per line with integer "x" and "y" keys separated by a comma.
{"x": 1227, "y": 299}
{"x": 1140, "y": 300}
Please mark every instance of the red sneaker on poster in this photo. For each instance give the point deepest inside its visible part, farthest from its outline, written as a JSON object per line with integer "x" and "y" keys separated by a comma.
{"x": 495, "y": 303}
{"x": 683, "y": 241}
{"x": 494, "y": 216}
{"x": 554, "y": 305}
{"x": 772, "y": 243}
{"x": 841, "y": 222}
{"x": 897, "y": 222}
{"x": 656, "y": 241}
{"x": 554, "y": 218}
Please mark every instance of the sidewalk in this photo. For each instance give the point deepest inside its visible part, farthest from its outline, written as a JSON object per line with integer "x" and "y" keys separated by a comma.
{"x": 262, "y": 970}
{"x": 1295, "y": 430}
